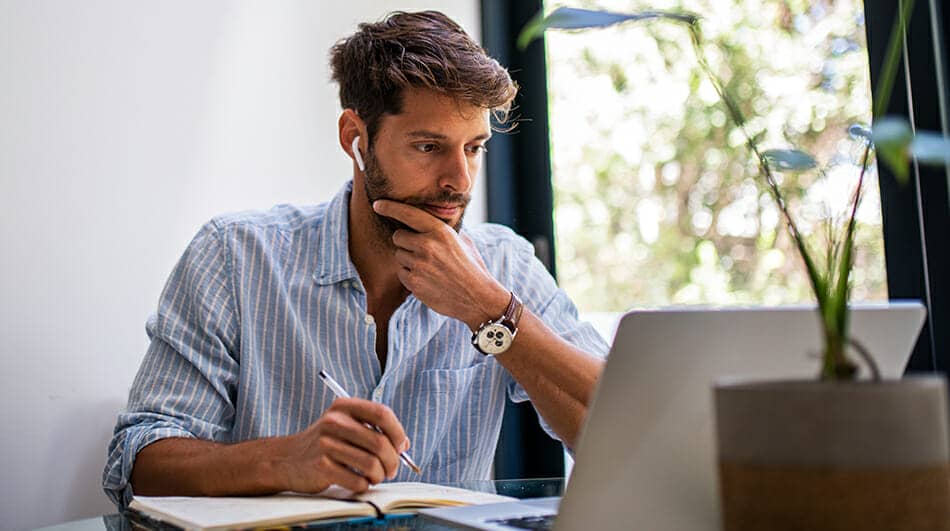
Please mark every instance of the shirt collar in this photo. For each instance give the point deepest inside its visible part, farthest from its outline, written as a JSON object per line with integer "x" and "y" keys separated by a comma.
{"x": 333, "y": 263}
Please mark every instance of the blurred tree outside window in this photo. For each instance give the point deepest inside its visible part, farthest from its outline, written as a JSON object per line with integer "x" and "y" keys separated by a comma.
{"x": 657, "y": 199}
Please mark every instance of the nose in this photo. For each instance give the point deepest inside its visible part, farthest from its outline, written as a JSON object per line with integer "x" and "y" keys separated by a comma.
{"x": 458, "y": 172}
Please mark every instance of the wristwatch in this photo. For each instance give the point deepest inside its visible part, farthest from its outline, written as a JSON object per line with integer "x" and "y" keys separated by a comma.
{"x": 496, "y": 335}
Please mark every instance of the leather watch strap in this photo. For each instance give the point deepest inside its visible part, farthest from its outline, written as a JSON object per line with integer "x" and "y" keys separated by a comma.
{"x": 513, "y": 313}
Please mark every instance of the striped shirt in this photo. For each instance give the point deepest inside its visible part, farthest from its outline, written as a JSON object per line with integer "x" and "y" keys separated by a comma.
{"x": 261, "y": 302}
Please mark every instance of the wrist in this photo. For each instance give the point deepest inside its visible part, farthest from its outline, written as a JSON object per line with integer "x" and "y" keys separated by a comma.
{"x": 275, "y": 467}
{"x": 490, "y": 306}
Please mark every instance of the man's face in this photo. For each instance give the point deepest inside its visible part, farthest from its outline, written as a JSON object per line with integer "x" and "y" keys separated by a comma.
{"x": 427, "y": 156}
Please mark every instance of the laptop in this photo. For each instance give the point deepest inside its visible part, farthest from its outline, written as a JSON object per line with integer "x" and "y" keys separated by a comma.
{"x": 646, "y": 458}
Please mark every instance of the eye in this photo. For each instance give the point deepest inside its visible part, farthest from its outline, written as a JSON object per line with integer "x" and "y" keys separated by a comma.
{"x": 475, "y": 150}
{"x": 426, "y": 147}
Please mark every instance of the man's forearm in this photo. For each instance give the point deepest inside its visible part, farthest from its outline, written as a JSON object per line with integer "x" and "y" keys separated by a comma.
{"x": 192, "y": 467}
{"x": 558, "y": 377}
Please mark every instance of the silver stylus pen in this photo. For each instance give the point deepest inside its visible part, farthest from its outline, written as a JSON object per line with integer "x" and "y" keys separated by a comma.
{"x": 341, "y": 393}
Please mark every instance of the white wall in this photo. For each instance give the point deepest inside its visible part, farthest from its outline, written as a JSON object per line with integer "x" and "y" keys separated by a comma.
{"x": 124, "y": 125}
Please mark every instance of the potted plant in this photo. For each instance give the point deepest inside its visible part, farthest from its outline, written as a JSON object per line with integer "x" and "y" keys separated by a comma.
{"x": 836, "y": 452}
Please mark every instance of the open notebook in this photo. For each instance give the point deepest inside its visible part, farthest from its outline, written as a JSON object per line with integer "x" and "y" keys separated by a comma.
{"x": 263, "y": 511}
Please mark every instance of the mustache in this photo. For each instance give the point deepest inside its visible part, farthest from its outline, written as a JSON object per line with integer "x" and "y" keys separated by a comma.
{"x": 444, "y": 197}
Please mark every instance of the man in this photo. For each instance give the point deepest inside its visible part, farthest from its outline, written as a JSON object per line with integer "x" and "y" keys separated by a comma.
{"x": 382, "y": 288}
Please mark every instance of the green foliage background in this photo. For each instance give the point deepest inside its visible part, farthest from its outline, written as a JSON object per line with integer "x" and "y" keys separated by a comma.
{"x": 657, "y": 198}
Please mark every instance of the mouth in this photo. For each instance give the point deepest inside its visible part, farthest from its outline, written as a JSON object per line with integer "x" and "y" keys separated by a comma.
{"x": 443, "y": 211}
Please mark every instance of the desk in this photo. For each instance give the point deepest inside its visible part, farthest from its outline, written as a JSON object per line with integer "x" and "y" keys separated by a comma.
{"x": 517, "y": 488}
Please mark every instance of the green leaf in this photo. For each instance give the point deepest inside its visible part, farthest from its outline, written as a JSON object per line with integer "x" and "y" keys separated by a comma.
{"x": 789, "y": 159}
{"x": 892, "y": 136}
{"x": 842, "y": 287}
{"x": 574, "y": 18}
{"x": 892, "y": 59}
{"x": 931, "y": 149}
{"x": 533, "y": 29}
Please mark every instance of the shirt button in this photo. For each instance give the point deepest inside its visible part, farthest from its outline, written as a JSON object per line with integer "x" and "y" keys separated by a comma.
{"x": 369, "y": 319}
{"x": 377, "y": 395}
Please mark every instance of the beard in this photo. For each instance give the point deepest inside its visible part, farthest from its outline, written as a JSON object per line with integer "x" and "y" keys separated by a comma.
{"x": 379, "y": 186}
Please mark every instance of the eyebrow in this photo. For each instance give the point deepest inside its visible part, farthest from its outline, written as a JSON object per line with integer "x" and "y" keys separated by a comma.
{"x": 439, "y": 136}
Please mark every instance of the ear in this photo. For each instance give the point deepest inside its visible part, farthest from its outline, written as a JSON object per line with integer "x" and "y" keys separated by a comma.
{"x": 351, "y": 127}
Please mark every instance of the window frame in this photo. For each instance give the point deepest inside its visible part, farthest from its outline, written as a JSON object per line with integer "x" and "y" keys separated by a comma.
{"x": 915, "y": 217}
{"x": 520, "y": 195}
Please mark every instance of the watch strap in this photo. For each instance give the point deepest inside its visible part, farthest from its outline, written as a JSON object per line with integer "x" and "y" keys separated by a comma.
{"x": 512, "y": 313}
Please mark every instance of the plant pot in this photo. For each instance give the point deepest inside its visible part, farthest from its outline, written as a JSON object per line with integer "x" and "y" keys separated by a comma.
{"x": 810, "y": 455}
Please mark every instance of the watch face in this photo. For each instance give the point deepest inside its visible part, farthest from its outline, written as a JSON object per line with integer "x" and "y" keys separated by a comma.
{"x": 494, "y": 339}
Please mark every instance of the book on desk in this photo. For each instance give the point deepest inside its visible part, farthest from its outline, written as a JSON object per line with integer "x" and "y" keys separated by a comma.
{"x": 385, "y": 499}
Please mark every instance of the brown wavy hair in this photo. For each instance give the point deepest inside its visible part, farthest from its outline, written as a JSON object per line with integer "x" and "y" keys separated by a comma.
{"x": 424, "y": 50}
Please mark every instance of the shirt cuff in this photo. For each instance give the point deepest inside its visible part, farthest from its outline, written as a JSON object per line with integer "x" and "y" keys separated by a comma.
{"x": 123, "y": 450}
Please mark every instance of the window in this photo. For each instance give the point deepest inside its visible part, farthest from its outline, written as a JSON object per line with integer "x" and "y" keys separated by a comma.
{"x": 520, "y": 185}
{"x": 657, "y": 199}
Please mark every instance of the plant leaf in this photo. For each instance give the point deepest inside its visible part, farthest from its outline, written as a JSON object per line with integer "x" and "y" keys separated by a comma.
{"x": 932, "y": 149}
{"x": 885, "y": 81}
{"x": 789, "y": 159}
{"x": 892, "y": 136}
{"x": 575, "y": 18}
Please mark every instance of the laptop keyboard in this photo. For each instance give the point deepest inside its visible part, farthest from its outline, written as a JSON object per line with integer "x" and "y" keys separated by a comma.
{"x": 544, "y": 521}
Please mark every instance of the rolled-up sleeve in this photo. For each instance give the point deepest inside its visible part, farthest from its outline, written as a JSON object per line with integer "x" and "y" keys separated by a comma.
{"x": 552, "y": 305}
{"x": 186, "y": 383}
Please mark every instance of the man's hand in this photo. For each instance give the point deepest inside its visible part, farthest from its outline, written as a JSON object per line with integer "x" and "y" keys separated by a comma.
{"x": 442, "y": 268}
{"x": 340, "y": 448}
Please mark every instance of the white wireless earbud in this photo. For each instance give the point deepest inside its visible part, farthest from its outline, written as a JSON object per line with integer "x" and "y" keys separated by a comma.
{"x": 357, "y": 155}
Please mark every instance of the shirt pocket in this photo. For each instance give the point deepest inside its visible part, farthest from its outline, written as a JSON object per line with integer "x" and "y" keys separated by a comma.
{"x": 452, "y": 406}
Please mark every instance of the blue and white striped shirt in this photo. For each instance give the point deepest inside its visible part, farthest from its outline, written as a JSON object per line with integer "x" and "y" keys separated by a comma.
{"x": 261, "y": 302}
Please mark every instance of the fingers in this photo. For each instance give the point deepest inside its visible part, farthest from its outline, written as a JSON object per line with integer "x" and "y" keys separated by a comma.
{"x": 408, "y": 240}
{"x": 418, "y": 219}
{"x": 356, "y": 460}
{"x": 350, "y": 421}
{"x": 405, "y": 278}
{"x": 360, "y": 442}
{"x": 374, "y": 414}
{"x": 406, "y": 259}
{"x": 425, "y": 243}
{"x": 416, "y": 249}
{"x": 344, "y": 476}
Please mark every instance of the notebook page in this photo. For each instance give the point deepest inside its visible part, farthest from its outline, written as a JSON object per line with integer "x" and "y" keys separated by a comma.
{"x": 403, "y": 497}
{"x": 228, "y": 512}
